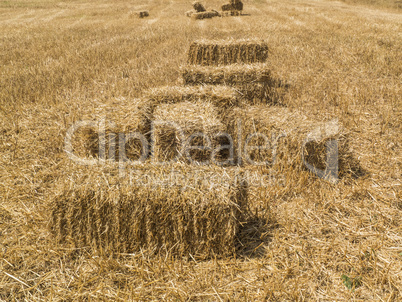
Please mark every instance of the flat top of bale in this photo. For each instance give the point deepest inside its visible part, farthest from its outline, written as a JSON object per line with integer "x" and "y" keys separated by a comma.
{"x": 186, "y": 113}
{"x": 120, "y": 113}
{"x": 231, "y": 41}
{"x": 290, "y": 121}
{"x": 189, "y": 178}
{"x": 232, "y": 68}
{"x": 166, "y": 93}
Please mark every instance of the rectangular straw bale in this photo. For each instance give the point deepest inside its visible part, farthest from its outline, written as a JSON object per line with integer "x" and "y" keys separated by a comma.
{"x": 253, "y": 82}
{"x": 108, "y": 215}
{"x": 230, "y": 12}
{"x": 190, "y": 118}
{"x": 225, "y": 52}
{"x": 119, "y": 116}
{"x": 227, "y": 7}
{"x": 204, "y": 15}
{"x": 294, "y": 127}
{"x": 219, "y": 95}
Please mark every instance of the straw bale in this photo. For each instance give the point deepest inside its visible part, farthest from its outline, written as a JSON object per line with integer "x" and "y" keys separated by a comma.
{"x": 141, "y": 14}
{"x": 224, "y": 52}
{"x": 108, "y": 215}
{"x": 205, "y": 15}
{"x": 189, "y": 13}
{"x": 237, "y": 4}
{"x": 227, "y": 7}
{"x": 231, "y": 13}
{"x": 176, "y": 123}
{"x": 252, "y": 82}
{"x": 287, "y": 133}
{"x": 198, "y": 7}
{"x": 219, "y": 95}
{"x": 117, "y": 116}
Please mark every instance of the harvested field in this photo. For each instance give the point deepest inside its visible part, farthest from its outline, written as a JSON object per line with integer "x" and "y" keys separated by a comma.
{"x": 61, "y": 61}
{"x": 219, "y": 95}
{"x": 175, "y": 124}
{"x": 106, "y": 216}
{"x": 224, "y": 52}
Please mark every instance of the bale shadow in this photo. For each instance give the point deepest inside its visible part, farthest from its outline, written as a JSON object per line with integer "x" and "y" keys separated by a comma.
{"x": 254, "y": 236}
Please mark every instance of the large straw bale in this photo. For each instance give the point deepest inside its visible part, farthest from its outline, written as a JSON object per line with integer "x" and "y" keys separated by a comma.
{"x": 175, "y": 123}
{"x": 253, "y": 82}
{"x": 117, "y": 116}
{"x": 109, "y": 215}
{"x": 220, "y": 96}
{"x": 231, "y": 13}
{"x": 224, "y": 52}
{"x": 198, "y": 7}
{"x": 290, "y": 135}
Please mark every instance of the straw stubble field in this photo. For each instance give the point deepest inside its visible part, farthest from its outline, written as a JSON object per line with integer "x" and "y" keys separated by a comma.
{"x": 307, "y": 239}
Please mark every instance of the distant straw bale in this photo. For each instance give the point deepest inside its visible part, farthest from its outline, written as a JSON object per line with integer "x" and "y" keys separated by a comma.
{"x": 219, "y": 95}
{"x": 234, "y": 5}
{"x": 224, "y": 52}
{"x": 205, "y": 15}
{"x": 118, "y": 116}
{"x": 140, "y": 14}
{"x": 251, "y": 81}
{"x": 237, "y": 5}
{"x": 231, "y": 13}
{"x": 189, "y": 13}
{"x": 183, "y": 219}
{"x": 198, "y": 7}
{"x": 176, "y": 123}
{"x": 227, "y": 7}
{"x": 294, "y": 135}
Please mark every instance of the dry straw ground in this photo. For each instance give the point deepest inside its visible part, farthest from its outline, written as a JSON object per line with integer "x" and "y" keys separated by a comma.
{"x": 310, "y": 240}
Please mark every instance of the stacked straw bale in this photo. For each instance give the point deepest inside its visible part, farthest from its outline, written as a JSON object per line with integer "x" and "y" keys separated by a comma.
{"x": 220, "y": 96}
{"x": 119, "y": 116}
{"x": 104, "y": 214}
{"x": 288, "y": 130}
{"x": 251, "y": 81}
{"x": 189, "y": 118}
{"x": 224, "y": 52}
